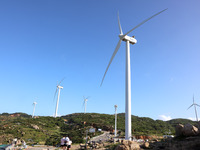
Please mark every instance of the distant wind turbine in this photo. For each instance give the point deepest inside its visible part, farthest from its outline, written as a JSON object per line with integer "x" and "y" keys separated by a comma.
{"x": 85, "y": 103}
{"x": 115, "y": 120}
{"x": 194, "y": 104}
{"x": 58, "y": 87}
{"x": 34, "y": 103}
{"x": 128, "y": 40}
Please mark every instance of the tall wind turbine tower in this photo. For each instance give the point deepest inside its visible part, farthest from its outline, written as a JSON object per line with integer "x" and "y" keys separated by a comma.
{"x": 129, "y": 40}
{"x": 58, "y": 87}
{"x": 34, "y": 103}
{"x": 85, "y": 103}
{"x": 194, "y": 104}
{"x": 115, "y": 120}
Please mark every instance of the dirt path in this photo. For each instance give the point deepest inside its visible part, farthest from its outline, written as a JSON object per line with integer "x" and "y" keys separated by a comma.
{"x": 103, "y": 137}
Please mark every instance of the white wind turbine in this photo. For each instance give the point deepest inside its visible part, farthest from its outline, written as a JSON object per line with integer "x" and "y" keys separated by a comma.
{"x": 194, "y": 104}
{"x": 58, "y": 87}
{"x": 115, "y": 120}
{"x": 34, "y": 103}
{"x": 85, "y": 103}
{"x": 128, "y": 40}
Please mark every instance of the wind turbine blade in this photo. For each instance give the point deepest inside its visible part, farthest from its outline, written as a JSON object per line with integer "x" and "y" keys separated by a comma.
{"x": 197, "y": 105}
{"x": 143, "y": 22}
{"x": 115, "y": 52}
{"x": 55, "y": 94}
{"x": 61, "y": 81}
{"x": 83, "y": 103}
{"x": 190, "y": 106}
{"x": 120, "y": 28}
{"x": 88, "y": 97}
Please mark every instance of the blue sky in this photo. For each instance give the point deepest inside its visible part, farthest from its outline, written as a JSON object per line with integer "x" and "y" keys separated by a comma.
{"x": 43, "y": 41}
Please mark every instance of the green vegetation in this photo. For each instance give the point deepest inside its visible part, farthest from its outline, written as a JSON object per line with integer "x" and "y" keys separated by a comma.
{"x": 49, "y": 130}
{"x": 140, "y": 125}
{"x": 175, "y": 122}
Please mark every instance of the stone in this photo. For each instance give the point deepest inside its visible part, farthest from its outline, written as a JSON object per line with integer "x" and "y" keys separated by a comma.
{"x": 134, "y": 146}
{"x": 18, "y": 142}
{"x": 128, "y": 145}
{"x": 198, "y": 126}
{"x": 120, "y": 140}
{"x": 190, "y": 130}
{"x": 121, "y": 147}
{"x": 35, "y": 127}
{"x": 125, "y": 142}
{"x": 146, "y": 145}
{"x": 179, "y": 129}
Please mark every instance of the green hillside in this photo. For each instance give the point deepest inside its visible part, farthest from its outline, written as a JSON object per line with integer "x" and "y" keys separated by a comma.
{"x": 174, "y": 122}
{"x": 140, "y": 125}
{"x": 48, "y": 130}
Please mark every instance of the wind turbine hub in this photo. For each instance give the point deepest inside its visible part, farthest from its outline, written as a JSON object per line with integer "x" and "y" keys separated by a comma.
{"x": 125, "y": 38}
{"x": 120, "y": 36}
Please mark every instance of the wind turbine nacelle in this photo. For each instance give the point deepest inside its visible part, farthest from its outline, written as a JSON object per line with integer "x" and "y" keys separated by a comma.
{"x": 132, "y": 40}
{"x": 60, "y": 87}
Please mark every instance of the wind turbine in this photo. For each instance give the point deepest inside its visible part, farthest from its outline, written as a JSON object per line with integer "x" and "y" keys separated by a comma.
{"x": 85, "y": 103}
{"x": 34, "y": 103}
{"x": 115, "y": 120}
{"x": 58, "y": 87}
{"x": 194, "y": 104}
{"x": 129, "y": 40}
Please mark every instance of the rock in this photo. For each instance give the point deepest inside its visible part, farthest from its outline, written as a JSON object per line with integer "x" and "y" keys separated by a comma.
{"x": 179, "y": 129}
{"x": 18, "y": 142}
{"x": 82, "y": 146}
{"x": 35, "y": 127}
{"x": 119, "y": 140}
{"x": 145, "y": 145}
{"x": 190, "y": 130}
{"x": 121, "y": 147}
{"x": 125, "y": 142}
{"x": 198, "y": 126}
{"x": 134, "y": 145}
{"x": 128, "y": 145}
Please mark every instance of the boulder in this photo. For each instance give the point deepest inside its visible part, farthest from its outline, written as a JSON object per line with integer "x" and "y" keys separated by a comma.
{"x": 190, "y": 130}
{"x": 179, "y": 129}
{"x": 125, "y": 142}
{"x": 198, "y": 126}
{"x": 134, "y": 145}
{"x": 35, "y": 127}
{"x": 128, "y": 145}
{"x": 122, "y": 147}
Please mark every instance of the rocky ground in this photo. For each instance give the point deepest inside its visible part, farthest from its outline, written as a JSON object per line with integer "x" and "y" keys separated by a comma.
{"x": 181, "y": 143}
{"x": 187, "y": 138}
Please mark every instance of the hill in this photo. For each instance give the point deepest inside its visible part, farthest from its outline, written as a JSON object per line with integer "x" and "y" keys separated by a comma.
{"x": 48, "y": 130}
{"x": 174, "y": 122}
{"x": 140, "y": 125}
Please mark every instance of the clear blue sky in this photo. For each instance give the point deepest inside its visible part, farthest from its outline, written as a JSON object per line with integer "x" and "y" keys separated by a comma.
{"x": 43, "y": 41}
